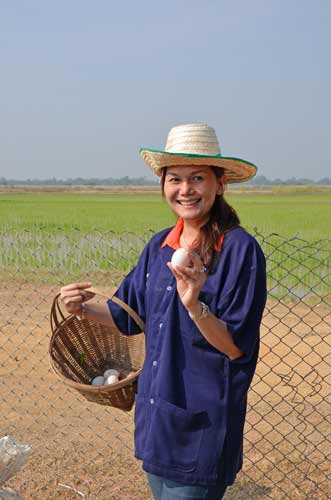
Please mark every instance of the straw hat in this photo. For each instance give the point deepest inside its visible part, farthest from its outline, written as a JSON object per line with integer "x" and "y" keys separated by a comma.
{"x": 196, "y": 144}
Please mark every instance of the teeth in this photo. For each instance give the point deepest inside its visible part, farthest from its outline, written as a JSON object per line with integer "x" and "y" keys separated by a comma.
{"x": 188, "y": 203}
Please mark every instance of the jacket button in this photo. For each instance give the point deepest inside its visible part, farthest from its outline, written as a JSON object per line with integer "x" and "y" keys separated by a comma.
{"x": 151, "y": 401}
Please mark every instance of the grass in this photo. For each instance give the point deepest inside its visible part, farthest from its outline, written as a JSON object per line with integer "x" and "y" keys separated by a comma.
{"x": 86, "y": 213}
{"x": 305, "y": 215}
{"x": 60, "y": 234}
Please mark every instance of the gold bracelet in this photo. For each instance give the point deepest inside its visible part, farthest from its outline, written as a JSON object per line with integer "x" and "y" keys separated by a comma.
{"x": 204, "y": 313}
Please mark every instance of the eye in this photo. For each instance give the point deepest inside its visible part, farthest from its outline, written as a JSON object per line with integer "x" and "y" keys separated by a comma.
{"x": 197, "y": 178}
{"x": 173, "y": 180}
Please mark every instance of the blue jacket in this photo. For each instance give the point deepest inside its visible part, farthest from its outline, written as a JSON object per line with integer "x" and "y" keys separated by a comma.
{"x": 191, "y": 397}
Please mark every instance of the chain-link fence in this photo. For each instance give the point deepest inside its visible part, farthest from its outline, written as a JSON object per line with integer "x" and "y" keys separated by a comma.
{"x": 84, "y": 450}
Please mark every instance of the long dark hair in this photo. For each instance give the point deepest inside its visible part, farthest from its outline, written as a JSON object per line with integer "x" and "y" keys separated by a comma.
{"x": 222, "y": 218}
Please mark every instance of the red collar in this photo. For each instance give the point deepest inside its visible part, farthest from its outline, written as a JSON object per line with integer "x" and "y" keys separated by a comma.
{"x": 172, "y": 240}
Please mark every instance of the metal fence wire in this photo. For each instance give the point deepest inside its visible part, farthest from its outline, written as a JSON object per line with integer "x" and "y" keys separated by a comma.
{"x": 84, "y": 450}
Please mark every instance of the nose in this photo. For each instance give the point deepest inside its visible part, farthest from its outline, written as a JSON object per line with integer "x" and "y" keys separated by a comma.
{"x": 186, "y": 188}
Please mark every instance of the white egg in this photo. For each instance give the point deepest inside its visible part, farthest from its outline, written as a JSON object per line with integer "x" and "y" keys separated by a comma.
{"x": 98, "y": 380}
{"x": 111, "y": 371}
{"x": 181, "y": 258}
{"x": 112, "y": 379}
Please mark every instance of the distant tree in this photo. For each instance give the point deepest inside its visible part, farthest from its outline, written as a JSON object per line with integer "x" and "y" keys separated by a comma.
{"x": 260, "y": 180}
{"x": 324, "y": 181}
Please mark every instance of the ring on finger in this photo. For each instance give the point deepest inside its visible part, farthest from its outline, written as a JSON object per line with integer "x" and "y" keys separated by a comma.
{"x": 202, "y": 270}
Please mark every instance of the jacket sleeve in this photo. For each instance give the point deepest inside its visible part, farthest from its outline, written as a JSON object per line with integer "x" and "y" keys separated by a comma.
{"x": 243, "y": 297}
{"x": 132, "y": 292}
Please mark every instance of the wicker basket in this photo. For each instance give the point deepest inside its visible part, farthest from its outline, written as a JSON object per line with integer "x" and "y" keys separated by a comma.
{"x": 82, "y": 349}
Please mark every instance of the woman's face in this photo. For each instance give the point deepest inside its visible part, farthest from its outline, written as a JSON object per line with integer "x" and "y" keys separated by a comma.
{"x": 190, "y": 191}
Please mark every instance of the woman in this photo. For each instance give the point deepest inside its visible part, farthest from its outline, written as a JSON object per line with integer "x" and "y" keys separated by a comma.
{"x": 202, "y": 322}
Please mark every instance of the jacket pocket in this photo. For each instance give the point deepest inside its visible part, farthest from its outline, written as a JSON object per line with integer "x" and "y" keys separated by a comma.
{"x": 175, "y": 436}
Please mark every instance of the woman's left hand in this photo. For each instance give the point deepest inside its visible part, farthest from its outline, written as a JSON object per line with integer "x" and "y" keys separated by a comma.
{"x": 189, "y": 280}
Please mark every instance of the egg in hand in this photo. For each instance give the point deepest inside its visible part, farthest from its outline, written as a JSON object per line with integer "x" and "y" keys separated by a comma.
{"x": 181, "y": 257}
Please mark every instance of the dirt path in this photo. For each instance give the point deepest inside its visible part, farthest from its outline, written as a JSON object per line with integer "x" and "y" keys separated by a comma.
{"x": 81, "y": 445}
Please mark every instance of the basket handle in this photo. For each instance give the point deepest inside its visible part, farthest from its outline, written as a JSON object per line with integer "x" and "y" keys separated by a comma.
{"x": 122, "y": 304}
{"x": 57, "y": 316}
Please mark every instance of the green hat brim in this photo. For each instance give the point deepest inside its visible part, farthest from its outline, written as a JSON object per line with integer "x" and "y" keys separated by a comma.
{"x": 235, "y": 169}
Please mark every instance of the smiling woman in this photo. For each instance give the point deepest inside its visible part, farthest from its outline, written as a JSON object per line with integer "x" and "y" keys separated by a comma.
{"x": 191, "y": 192}
{"x": 197, "y": 195}
{"x": 202, "y": 322}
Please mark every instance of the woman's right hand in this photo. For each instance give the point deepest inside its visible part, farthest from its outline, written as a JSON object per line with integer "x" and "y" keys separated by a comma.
{"x": 74, "y": 295}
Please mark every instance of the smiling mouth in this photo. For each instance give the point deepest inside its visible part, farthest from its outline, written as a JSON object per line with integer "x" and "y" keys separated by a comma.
{"x": 189, "y": 203}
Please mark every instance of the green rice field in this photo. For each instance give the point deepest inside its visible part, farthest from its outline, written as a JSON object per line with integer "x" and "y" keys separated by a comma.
{"x": 307, "y": 216}
{"x": 61, "y": 234}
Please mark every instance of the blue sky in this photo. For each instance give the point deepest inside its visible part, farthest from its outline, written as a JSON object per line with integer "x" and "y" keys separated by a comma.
{"x": 84, "y": 84}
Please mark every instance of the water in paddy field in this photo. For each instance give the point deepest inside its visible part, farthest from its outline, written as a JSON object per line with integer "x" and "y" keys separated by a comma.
{"x": 297, "y": 269}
